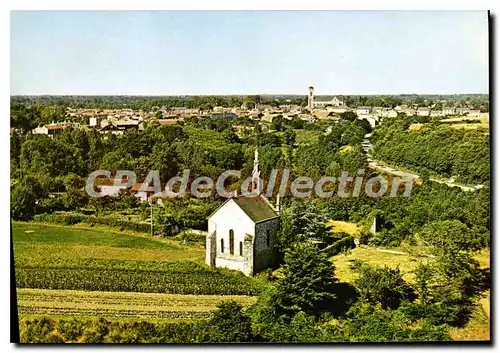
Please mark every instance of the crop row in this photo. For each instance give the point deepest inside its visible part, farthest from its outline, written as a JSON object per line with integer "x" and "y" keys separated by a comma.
{"x": 72, "y": 298}
{"x": 111, "y": 313}
{"x": 201, "y": 281}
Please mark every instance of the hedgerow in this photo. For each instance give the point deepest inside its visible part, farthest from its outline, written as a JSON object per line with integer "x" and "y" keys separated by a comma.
{"x": 48, "y": 330}
{"x": 71, "y": 219}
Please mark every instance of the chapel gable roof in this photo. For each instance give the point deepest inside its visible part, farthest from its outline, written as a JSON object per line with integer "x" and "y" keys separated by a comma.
{"x": 257, "y": 208}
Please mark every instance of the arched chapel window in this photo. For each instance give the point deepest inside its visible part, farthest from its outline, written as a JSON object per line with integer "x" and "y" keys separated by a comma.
{"x": 231, "y": 242}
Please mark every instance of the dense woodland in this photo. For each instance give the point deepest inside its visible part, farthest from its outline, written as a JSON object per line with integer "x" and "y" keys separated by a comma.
{"x": 443, "y": 225}
{"x": 435, "y": 149}
{"x": 475, "y": 101}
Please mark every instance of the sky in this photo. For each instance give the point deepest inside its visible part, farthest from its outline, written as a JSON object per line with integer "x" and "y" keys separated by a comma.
{"x": 248, "y": 52}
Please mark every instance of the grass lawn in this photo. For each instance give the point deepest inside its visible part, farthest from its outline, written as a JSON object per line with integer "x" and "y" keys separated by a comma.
{"x": 110, "y": 305}
{"x": 389, "y": 257}
{"x": 346, "y": 227}
{"x": 43, "y": 245}
{"x": 374, "y": 257}
{"x": 482, "y": 120}
{"x": 461, "y": 122}
{"x": 415, "y": 127}
{"x": 306, "y": 136}
{"x": 346, "y": 148}
{"x": 478, "y": 328}
{"x": 470, "y": 126}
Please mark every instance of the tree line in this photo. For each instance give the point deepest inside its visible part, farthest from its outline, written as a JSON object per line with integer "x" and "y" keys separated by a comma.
{"x": 435, "y": 149}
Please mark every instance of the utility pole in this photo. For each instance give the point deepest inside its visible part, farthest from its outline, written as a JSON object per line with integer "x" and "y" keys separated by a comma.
{"x": 151, "y": 204}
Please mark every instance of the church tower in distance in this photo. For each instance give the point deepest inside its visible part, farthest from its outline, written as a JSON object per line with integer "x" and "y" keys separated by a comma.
{"x": 310, "y": 98}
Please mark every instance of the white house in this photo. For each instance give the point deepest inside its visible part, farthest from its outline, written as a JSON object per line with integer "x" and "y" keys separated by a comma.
{"x": 463, "y": 111}
{"x": 373, "y": 120}
{"x": 363, "y": 110}
{"x": 390, "y": 114}
{"x": 475, "y": 113}
{"x": 54, "y": 129}
{"x": 409, "y": 111}
{"x": 95, "y": 121}
{"x": 41, "y": 130}
{"x": 448, "y": 111}
{"x": 242, "y": 233}
{"x": 423, "y": 111}
{"x": 436, "y": 113}
{"x": 109, "y": 190}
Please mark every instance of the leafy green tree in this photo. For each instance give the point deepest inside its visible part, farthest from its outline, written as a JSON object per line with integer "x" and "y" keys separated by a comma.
{"x": 75, "y": 196}
{"x": 452, "y": 233}
{"x": 297, "y": 123}
{"x": 51, "y": 157}
{"x": 290, "y": 137}
{"x": 278, "y": 123}
{"x": 353, "y": 160}
{"x": 231, "y": 137}
{"x": 301, "y": 222}
{"x": 269, "y": 138}
{"x": 228, "y": 324}
{"x": 117, "y": 160}
{"x": 365, "y": 124}
{"x": 349, "y": 116}
{"x": 25, "y": 198}
{"x": 353, "y": 135}
{"x": 372, "y": 323}
{"x": 384, "y": 286}
{"x": 448, "y": 288}
{"x": 307, "y": 281}
{"x": 164, "y": 159}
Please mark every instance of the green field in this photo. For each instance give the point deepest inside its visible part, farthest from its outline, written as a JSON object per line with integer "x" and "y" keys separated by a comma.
{"x": 41, "y": 245}
{"x": 76, "y": 270}
{"x": 480, "y": 120}
{"x": 345, "y": 227}
{"x": 468, "y": 122}
{"x": 112, "y": 305}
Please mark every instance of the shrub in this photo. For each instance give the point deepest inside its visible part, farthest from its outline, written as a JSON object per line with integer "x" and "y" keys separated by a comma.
{"x": 374, "y": 241}
{"x": 364, "y": 237}
{"x": 382, "y": 285}
{"x": 228, "y": 324}
{"x": 340, "y": 245}
{"x": 192, "y": 237}
{"x": 49, "y": 330}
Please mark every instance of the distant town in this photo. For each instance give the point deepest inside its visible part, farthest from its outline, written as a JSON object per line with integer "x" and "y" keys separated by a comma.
{"x": 326, "y": 108}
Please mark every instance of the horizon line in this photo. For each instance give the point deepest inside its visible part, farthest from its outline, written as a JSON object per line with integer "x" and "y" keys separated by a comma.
{"x": 238, "y": 94}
